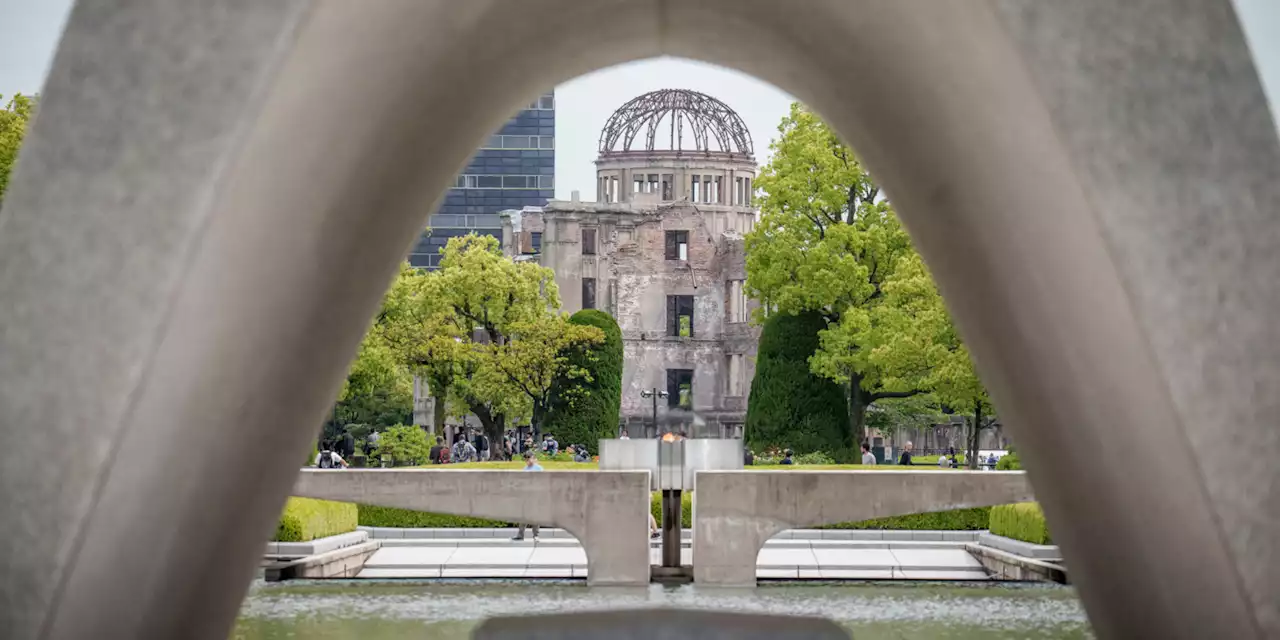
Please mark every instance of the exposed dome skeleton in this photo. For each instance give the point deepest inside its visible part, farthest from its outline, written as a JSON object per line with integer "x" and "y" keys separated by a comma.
{"x": 681, "y": 117}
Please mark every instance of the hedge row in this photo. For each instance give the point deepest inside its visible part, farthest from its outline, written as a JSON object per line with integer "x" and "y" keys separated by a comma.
{"x": 957, "y": 520}
{"x": 305, "y": 519}
{"x": 1023, "y": 521}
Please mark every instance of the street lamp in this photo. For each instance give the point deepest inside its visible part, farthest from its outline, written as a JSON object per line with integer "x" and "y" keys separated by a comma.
{"x": 654, "y": 393}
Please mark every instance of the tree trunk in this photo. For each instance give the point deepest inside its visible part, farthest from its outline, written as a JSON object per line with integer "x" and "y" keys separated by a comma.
{"x": 437, "y": 415}
{"x": 971, "y": 456}
{"x": 493, "y": 425}
{"x": 857, "y": 410}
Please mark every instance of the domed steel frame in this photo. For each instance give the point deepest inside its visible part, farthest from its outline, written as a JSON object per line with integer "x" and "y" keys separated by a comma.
{"x": 704, "y": 118}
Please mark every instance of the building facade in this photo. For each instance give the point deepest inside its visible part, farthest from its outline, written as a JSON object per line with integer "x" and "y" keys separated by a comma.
{"x": 513, "y": 169}
{"x": 661, "y": 249}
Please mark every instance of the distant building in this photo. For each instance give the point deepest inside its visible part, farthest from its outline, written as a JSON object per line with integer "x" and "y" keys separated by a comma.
{"x": 514, "y": 168}
{"x": 661, "y": 250}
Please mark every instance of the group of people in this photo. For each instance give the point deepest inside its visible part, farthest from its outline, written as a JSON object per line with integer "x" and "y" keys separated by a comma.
{"x": 334, "y": 453}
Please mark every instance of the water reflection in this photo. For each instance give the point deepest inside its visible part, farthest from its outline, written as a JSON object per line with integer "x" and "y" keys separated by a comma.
{"x": 372, "y": 610}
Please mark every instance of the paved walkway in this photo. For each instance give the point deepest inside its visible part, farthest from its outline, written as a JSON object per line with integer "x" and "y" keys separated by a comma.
{"x": 801, "y": 554}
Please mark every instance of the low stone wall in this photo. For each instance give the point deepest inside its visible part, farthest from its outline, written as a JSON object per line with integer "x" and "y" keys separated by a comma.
{"x": 1003, "y": 565}
{"x": 607, "y": 511}
{"x": 344, "y": 562}
{"x": 1045, "y": 552}
{"x": 735, "y": 512}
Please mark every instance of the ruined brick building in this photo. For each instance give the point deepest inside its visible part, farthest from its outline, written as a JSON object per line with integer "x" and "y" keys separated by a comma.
{"x": 661, "y": 250}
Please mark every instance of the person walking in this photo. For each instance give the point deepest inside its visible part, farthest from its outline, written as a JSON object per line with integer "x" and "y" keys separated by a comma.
{"x": 482, "y": 446}
{"x": 786, "y": 457}
{"x": 348, "y": 445}
{"x": 463, "y": 450}
{"x": 624, "y": 435}
{"x": 868, "y": 458}
{"x": 530, "y": 464}
{"x": 371, "y": 442}
{"x": 434, "y": 456}
{"x": 906, "y": 454}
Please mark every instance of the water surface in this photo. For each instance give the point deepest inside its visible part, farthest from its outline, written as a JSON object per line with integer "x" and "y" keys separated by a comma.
{"x": 383, "y": 610}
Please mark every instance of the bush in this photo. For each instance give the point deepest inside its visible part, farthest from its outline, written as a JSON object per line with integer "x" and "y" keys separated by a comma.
{"x": 790, "y": 407}
{"x": 306, "y": 519}
{"x": 1009, "y": 461}
{"x": 1023, "y": 521}
{"x": 371, "y": 516}
{"x": 404, "y": 444}
{"x": 816, "y": 457}
{"x": 975, "y": 519}
{"x": 583, "y": 412}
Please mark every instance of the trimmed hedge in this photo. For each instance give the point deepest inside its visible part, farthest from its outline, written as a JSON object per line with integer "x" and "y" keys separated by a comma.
{"x": 305, "y": 519}
{"x": 975, "y": 519}
{"x": 1023, "y": 521}
{"x": 789, "y": 406}
{"x": 371, "y": 516}
{"x": 592, "y": 413}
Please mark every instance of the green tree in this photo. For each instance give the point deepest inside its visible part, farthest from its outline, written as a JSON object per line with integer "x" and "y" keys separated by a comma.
{"x": 484, "y": 328}
{"x": 586, "y": 409}
{"x": 537, "y": 356}
{"x": 828, "y": 242}
{"x": 789, "y": 406}
{"x": 14, "y": 118}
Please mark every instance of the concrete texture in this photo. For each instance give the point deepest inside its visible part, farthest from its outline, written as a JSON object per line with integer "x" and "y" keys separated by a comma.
{"x": 1004, "y": 565}
{"x": 1047, "y": 552}
{"x": 496, "y": 557}
{"x": 633, "y": 279}
{"x": 605, "y": 510}
{"x": 214, "y": 195}
{"x": 735, "y": 512}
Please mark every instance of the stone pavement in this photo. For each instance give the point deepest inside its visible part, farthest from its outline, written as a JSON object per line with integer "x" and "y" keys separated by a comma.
{"x": 798, "y": 554}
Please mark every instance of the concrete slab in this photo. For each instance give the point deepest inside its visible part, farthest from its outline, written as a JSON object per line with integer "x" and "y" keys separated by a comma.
{"x": 405, "y": 557}
{"x": 608, "y": 514}
{"x": 859, "y": 559}
{"x": 552, "y": 556}
{"x": 775, "y": 557}
{"x": 492, "y": 556}
{"x": 941, "y": 559}
{"x": 738, "y": 511}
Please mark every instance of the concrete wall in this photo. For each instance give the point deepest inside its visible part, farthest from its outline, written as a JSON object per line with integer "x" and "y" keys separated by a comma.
{"x": 606, "y": 511}
{"x": 735, "y": 512}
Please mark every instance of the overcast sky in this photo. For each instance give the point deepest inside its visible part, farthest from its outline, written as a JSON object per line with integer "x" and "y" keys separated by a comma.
{"x": 29, "y": 31}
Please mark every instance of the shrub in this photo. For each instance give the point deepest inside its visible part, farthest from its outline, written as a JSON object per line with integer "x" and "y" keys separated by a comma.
{"x": 404, "y": 444}
{"x": 816, "y": 457}
{"x": 1023, "y": 521}
{"x": 974, "y": 519}
{"x": 582, "y": 411}
{"x": 790, "y": 407}
{"x": 1009, "y": 461}
{"x": 306, "y": 519}
{"x": 371, "y": 516}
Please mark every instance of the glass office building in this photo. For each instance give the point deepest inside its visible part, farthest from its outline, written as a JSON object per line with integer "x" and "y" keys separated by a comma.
{"x": 515, "y": 168}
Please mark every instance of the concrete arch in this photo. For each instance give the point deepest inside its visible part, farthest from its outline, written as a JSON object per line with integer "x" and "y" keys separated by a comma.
{"x": 606, "y": 511}
{"x": 214, "y": 189}
{"x": 736, "y": 512}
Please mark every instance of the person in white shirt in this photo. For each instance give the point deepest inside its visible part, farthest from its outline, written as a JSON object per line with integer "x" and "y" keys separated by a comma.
{"x": 330, "y": 460}
{"x": 868, "y": 458}
{"x": 624, "y": 435}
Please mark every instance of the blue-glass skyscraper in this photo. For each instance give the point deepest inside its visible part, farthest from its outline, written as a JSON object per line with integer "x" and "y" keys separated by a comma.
{"x": 515, "y": 168}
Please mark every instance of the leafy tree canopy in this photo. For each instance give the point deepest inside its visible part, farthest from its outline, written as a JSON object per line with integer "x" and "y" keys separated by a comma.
{"x": 14, "y": 118}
